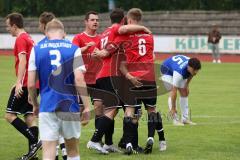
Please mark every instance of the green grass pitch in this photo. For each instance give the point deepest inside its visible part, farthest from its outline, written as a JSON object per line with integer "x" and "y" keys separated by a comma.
{"x": 215, "y": 107}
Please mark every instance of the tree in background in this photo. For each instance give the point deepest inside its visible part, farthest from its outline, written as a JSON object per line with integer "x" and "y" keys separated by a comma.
{"x": 77, "y": 7}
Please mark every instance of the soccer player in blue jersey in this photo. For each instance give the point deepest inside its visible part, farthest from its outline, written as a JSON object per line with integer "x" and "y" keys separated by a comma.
{"x": 177, "y": 72}
{"x": 57, "y": 89}
{"x": 44, "y": 18}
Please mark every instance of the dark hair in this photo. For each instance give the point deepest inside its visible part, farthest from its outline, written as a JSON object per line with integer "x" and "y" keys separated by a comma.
{"x": 117, "y": 15}
{"x": 46, "y": 17}
{"x": 15, "y": 18}
{"x": 88, "y": 14}
{"x": 135, "y": 14}
{"x": 194, "y": 63}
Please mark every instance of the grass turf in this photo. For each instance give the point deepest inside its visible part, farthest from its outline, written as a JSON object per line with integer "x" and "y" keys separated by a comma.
{"x": 215, "y": 107}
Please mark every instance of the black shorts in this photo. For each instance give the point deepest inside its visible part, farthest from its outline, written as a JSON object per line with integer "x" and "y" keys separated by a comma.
{"x": 19, "y": 105}
{"x": 134, "y": 97}
{"x": 91, "y": 91}
{"x": 106, "y": 92}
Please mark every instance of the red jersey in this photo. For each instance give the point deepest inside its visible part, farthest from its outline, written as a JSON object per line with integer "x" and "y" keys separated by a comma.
{"x": 107, "y": 38}
{"x": 23, "y": 45}
{"x": 138, "y": 49}
{"x": 93, "y": 65}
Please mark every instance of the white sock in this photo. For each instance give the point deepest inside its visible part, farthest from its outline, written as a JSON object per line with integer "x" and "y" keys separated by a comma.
{"x": 73, "y": 158}
{"x": 57, "y": 147}
{"x": 184, "y": 107}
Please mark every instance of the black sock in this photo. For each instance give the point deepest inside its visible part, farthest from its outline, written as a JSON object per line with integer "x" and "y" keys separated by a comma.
{"x": 102, "y": 126}
{"x": 23, "y": 128}
{"x": 64, "y": 157}
{"x": 96, "y": 120}
{"x": 159, "y": 127}
{"x": 135, "y": 137}
{"x": 151, "y": 124}
{"x": 35, "y": 132}
{"x": 122, "y": 143}
{"x": 129, "y": 129}
{"x": 109, "y": 133}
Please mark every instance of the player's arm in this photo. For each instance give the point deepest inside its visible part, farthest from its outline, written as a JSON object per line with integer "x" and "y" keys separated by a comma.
{"x": 81, "y": 86}
{"x": 174, "y": 98}
{"x": 20, "y": 73}
{"x": 131, "y": 28}
{"x": 134, "y": 80}
{"x": 100, "y": 53}
{"x": 32, "y": 79}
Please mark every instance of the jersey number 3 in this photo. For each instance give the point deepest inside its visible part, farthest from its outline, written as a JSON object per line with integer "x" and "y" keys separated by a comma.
{"x": 55, "y": 57}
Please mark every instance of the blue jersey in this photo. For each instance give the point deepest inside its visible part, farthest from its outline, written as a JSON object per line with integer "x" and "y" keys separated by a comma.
{"x": 54, "y": 65}
{"x": 176, "y": 63}
{"x": 43, "y": 40}
{"x": 46, "y": 39}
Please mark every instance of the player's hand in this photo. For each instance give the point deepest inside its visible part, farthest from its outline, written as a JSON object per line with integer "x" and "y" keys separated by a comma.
{"x": 146, "y": 30}
{"x": 134, "y": 80}
{"x": 18, "y": 90}
{"x": 90, "y": 44}
{"x": 85, "y": 116}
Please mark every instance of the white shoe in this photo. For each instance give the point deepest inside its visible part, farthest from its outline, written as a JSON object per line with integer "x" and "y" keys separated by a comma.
{"x": 111, "y": 148}
{"x": 162, "y": 146}
{"x": 177, "y": 123}
{"x": 214, "y": 61}
{"x": 96, "y": 146}
{"x": 189, "y": 122}
{"x": 219, "y": 61}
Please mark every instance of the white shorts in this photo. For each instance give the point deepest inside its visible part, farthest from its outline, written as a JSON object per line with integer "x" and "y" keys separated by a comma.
{"x": 168, "y": 82}
{"x": 51, "y": 127}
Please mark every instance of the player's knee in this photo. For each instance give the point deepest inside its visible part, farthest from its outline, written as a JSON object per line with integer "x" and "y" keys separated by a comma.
{"x": 30, "y": 120}
{"x": 184, "y": 92}
{"x": 10, "y": 117}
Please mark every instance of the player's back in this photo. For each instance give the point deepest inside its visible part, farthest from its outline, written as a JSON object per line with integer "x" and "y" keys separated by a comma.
{"x": 138, "y": 49}
{"x": 54, "y": 62}
{"x": 175, "y": 63}
{"x": 141, "y": 49}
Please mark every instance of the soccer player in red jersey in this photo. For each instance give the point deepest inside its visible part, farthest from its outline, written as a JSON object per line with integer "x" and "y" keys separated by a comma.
{"x": 108, "y": 72}
{"x": 87, "y": 41}
{"x": 18, "y": 100}
{"x": 138, "y": 70}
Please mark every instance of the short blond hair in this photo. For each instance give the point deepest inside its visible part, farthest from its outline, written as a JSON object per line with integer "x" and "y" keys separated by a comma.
{"x": 54, "y": 24}
{"x": 135, "y": 14}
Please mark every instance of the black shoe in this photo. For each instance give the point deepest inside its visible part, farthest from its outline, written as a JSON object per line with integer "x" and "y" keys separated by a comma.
{"x": 34, "y": 148}
{"x": 122, "y": 144}
{"x": 139, "y": 149}
{"x": 24, "y": 157}
{"x": 148, "y": 148}
{"x": 129, "y": 150}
